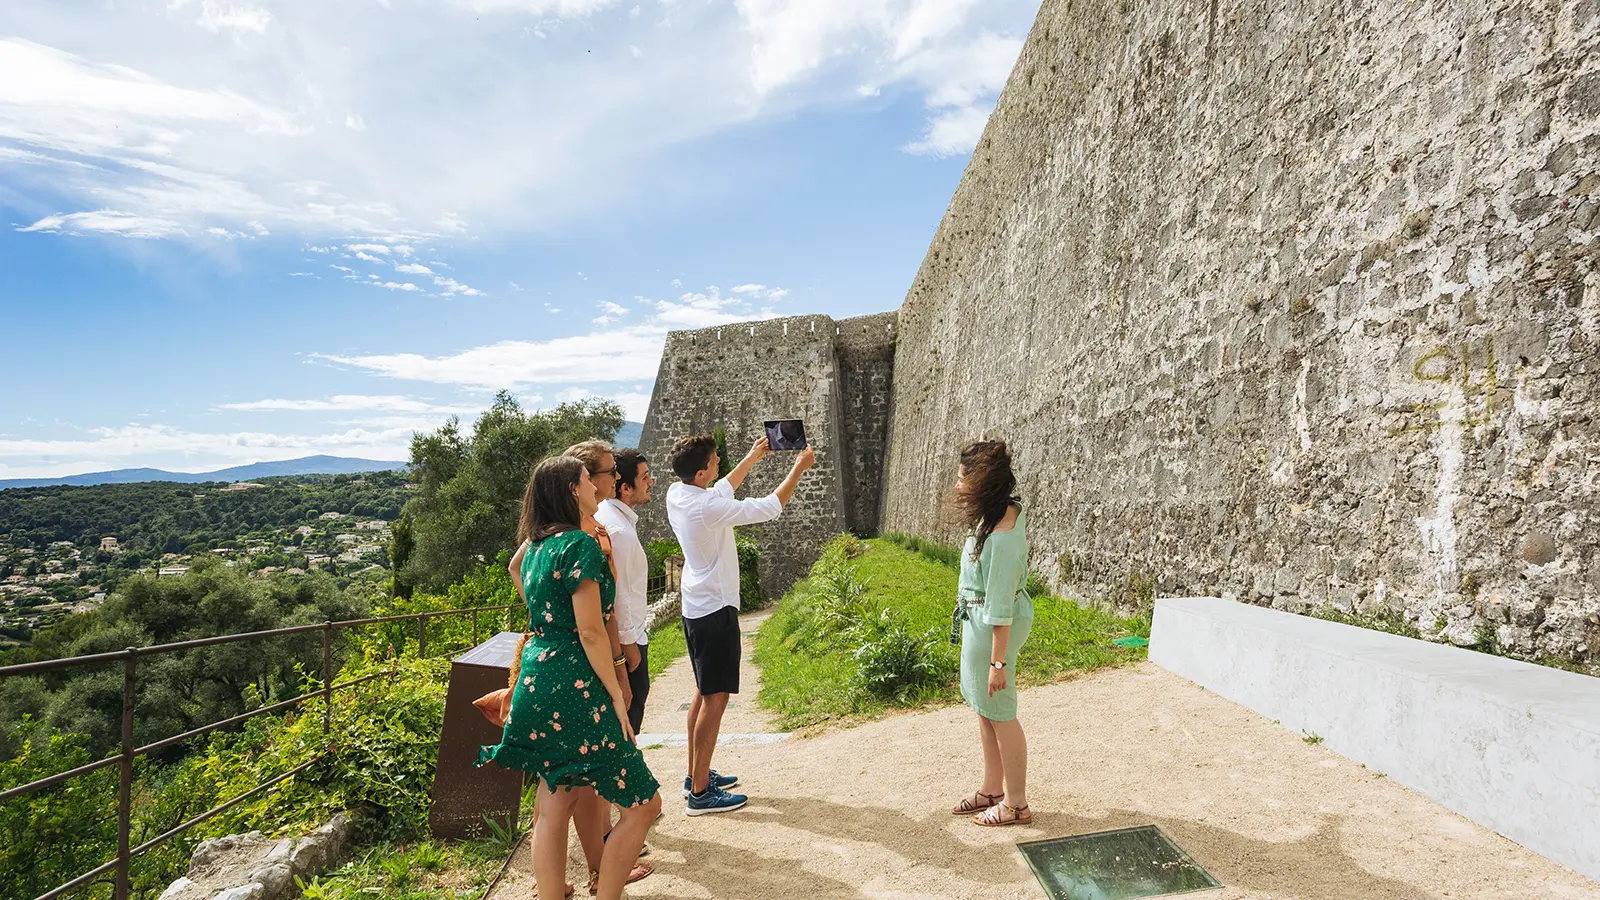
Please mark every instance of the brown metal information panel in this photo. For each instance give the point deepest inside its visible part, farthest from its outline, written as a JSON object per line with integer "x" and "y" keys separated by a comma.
{"x": 463, "y": 794}
{"x": 1126, "y": 864}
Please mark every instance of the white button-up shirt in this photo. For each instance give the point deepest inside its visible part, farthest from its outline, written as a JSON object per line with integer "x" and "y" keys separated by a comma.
{"x": 703, "y": 519}
{"x": 633, "y": 568}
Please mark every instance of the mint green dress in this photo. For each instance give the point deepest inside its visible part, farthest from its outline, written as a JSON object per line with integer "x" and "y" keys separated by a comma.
{"x": 992, "y": 585}
{"x": 562, "y": 727}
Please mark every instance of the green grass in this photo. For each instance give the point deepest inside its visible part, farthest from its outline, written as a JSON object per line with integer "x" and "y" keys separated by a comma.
{"x": 666, "y": 645}
{"x": 423, "y": 870}
{"x": 810, "y": 669}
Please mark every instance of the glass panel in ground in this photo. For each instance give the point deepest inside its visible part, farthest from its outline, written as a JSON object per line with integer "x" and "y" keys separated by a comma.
{"x": 1114, "y": 865}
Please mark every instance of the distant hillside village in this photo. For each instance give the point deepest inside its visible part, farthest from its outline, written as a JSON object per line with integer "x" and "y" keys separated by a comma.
{"x": 267, "y": 529}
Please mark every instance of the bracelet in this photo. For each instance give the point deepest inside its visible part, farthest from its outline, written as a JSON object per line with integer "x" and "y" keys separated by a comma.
{"x": 620, "y": 661}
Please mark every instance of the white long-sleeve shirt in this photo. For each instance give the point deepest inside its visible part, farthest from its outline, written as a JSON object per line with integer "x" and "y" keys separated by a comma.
{"x": 704, "y": 519}
{"x": 633, "y": 569}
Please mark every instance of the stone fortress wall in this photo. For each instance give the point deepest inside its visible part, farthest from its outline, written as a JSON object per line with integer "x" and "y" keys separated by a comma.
{"x": 1290, "y": 302}
{"x": 801, "y": 367}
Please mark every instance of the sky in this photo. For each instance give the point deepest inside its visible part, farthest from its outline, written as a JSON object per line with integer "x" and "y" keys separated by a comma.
{"x": 245, "y": 230}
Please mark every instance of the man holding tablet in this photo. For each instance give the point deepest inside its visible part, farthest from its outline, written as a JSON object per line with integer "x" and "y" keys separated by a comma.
{"x": 703, "y": 512}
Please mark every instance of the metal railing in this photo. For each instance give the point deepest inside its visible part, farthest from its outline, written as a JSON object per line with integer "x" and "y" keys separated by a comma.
{"x": 124, "y": 760}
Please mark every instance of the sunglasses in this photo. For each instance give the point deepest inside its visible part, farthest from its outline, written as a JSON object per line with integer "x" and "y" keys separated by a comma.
{"x": 610, "y": 471}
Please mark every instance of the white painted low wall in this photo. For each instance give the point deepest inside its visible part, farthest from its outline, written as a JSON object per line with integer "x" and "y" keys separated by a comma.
{"x": 1510, "y": 745}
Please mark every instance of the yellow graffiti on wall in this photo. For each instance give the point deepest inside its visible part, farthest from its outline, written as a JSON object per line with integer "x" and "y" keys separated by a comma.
{"x": 1453, "y": 365}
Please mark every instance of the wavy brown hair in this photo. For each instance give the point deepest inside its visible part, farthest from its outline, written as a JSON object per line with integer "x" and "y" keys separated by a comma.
{"x": 548, "y": 505}
{"x": 988, "y": 488}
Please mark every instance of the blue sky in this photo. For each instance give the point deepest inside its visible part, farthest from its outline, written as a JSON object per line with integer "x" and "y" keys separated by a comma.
{"x": 241, "y": 230}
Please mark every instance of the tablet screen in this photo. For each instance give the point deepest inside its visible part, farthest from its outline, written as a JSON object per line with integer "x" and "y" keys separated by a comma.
{"x": 785, "y": 434}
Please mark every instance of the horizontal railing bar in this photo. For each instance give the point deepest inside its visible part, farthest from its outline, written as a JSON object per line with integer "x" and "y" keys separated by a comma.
{"x": 159, "y": 839}
{"x": 388, "y": 673}
{"x": 78, "y": 882}
{"x": 431, "y": 614}
{"x": 167, "y": 742}
{"x": 32, "y": 786}
{"x": 50, "y": 665}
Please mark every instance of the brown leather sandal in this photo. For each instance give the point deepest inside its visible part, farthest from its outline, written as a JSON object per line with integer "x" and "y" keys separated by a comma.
{"x": 970, "y": 805}
{"x": 994, "y": 816}
{"x": 640, "y": 872}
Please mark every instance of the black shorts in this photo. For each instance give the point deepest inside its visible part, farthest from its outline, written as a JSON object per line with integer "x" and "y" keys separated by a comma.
{"x": 639, "y": 683}
{"x": 714, "y": 651}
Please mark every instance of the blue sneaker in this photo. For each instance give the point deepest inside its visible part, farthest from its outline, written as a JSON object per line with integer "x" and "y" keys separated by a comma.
{"x": 714, "y": 800}
{"x": 719, "y": 781}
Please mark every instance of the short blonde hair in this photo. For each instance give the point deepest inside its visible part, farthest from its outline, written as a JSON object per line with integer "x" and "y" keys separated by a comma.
{"x": 590, "y": 453}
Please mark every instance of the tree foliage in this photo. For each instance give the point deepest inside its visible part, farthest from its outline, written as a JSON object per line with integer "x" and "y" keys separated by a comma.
{"x": 470, "y": 487}
{"x": 155, "y": 517}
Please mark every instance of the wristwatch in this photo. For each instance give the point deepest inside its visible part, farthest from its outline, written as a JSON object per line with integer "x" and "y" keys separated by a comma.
{"x": 998, "y": 665}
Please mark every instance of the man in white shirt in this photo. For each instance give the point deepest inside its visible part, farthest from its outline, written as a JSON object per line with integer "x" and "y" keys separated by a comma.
{"x": 703, "y": 516}
{"x": 618, "y": 515}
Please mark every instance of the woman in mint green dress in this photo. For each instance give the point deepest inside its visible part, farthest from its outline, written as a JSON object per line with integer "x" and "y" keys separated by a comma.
{"x": 568, "y": 723}
{"x": 994, "y": 615}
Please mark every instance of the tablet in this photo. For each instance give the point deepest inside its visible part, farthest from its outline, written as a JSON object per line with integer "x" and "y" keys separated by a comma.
{"x": 785, "y": 434}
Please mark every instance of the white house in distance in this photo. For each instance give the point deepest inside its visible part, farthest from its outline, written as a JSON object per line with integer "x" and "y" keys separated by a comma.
{"x": 172, "y": 571}
{"x": 108, "y": 545}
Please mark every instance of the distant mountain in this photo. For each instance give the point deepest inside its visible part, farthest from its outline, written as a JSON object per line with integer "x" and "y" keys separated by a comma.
{"x": 629, "y": 434}
{"x": 307, "y": 465}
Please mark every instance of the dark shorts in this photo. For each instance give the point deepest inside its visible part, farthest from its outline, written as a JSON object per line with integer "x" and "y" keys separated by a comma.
{"x": 714, "y": 651}
{"x": 639, "y": 683}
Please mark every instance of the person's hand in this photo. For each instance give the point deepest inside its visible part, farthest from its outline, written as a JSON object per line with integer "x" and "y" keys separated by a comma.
{"x": 624, "y": 689}
{"x": 622, "y": 719}
{"x": 806, "y": 459}
{"x": 997, "y": 680}
{"x": 758, "y": 450}
{"x": 631, "y": 653}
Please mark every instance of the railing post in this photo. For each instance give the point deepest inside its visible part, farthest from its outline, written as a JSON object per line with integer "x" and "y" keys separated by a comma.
{"x": 327, "y": 678}
{"x": 125, "y": 781}
{"x": 474, "y": 628}
{"x": 422, "y": 637}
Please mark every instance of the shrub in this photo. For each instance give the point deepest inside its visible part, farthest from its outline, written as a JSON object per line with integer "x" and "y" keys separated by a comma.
{"x": 895, "y": 665}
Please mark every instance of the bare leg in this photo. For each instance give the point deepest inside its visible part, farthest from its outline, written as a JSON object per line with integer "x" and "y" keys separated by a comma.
{"x": 994, "y": 768}
{"x": 590, "y": 815}
{"x": 550, "y": 842}
{"x": 694, "y": 716}
{"x": 1014, "y": 757}
{"x": 703, "y": 740}
{"x": 622, "y": 850}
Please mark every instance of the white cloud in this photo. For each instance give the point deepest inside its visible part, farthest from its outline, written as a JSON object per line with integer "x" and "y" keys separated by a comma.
{"x": 558, "y": 8}
{"x": 622, "y": 354}
{"x": 610, "y": 313}
{"x": 367, "y": 257}
{"x": 396, "y": 285}
{"x": 216, "y": 17}
{"x": 148, "y": 126}
{"x": 704, "y": 310}
{"x": 346, "y": 269}
{"x": 182, "y": 450}
{"x": 414, "y": 269}
{"x": 391, "y": 403}
{"x": 367, "y": 248}
{"x": 761, "y": 291}
{"x": 452, "y": 287}
{"x": 635, "y": 405}
{"x": 951, "y": 133}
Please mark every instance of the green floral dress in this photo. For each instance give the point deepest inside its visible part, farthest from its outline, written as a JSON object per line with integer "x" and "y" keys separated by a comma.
{"x": 562, "y": 727}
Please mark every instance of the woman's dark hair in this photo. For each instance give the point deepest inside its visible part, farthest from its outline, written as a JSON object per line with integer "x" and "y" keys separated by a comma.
{"x": 691, "y": 454}
{"x": 548, "y": 504}
{"x": 988, "y": 488}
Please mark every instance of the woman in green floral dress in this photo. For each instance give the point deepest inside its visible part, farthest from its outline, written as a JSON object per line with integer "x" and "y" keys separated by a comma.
{"x": 994, "y": 615}
{"x": 568, "y": 724}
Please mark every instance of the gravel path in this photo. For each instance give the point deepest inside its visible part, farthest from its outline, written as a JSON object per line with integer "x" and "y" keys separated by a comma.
{"x": 862, "y": 812}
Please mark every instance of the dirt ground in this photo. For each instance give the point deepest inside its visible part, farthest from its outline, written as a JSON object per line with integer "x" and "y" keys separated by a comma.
{"x": 863, "y": 812}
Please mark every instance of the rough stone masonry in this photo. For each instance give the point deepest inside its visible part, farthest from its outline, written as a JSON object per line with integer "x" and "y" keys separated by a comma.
{"x": 836, "y": 376}
{"x": 1290, "y": 301}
